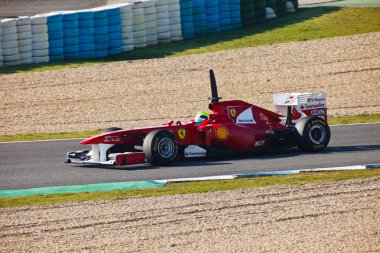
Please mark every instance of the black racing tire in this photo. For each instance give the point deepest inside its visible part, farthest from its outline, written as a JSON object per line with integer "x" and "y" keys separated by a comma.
{"x": 313, "y": 134}
{"x": 111, "y": 129}
{"x": 160, "y": 147}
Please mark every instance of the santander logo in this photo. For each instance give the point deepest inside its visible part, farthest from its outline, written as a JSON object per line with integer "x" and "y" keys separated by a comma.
{"x": 246, "y": 117}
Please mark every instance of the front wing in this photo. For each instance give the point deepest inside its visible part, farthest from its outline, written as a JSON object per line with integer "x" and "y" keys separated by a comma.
{"x": 98, "y": 155}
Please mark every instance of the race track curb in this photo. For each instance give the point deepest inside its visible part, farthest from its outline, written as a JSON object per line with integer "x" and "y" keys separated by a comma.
{"x": 118, "y": 186}
{"x": 266, "y": 174}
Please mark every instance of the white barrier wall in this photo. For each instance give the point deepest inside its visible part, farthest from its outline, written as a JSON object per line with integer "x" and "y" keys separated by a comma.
{"x": 150, "y": 16}
{"x": 40, "y": 39}
{"x": 139, "y": 30}
{"x": 175, "y": 20}
{"x": 9, "y": 43}
{"x": 127, "y": 27}
{"x": 163, "y": 21}
{"x": 24, "y": 39}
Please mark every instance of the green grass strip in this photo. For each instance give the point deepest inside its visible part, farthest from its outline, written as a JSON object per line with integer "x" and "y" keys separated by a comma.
{"x": 348, "y": 3}
{"x": 80, "y": 188}
{"x": 354, "y": 119}
{"x": 306, "y": 24}
{"x": 192, "y": 187}
{"x": 361, "y": 118}
{"x": 49, "y": 136}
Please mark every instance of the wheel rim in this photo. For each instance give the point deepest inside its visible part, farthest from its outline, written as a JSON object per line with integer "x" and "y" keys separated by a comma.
{"x": 166, "y": 147}
{"x": 318, "y": 134}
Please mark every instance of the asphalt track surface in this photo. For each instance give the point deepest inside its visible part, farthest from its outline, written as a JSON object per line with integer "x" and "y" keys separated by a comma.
{"x": 39, "y": 164}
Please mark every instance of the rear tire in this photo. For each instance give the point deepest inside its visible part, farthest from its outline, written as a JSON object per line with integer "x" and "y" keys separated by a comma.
{"x": 313, "y": 134}
{"x": 160, "y": 147}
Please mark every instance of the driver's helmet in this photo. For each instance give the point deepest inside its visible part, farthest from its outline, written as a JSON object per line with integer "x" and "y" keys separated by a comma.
{"x": 200, "y": 117}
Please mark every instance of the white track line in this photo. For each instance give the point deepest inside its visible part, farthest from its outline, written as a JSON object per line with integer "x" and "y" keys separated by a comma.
{"x": 355, "y": 167}
{"x": 266, "y": 174}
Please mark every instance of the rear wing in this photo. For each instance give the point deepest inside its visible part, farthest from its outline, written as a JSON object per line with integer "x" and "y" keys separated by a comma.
{"x": 301, "y": 104}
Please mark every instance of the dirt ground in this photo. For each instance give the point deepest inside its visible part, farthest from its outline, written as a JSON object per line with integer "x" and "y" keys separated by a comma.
{"x": 332, "y": 217}
{"x": 147, "y": 92}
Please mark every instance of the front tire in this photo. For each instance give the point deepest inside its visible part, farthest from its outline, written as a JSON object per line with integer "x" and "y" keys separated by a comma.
{"x": 313, "y": 134}
{"x": 160, "y": 147}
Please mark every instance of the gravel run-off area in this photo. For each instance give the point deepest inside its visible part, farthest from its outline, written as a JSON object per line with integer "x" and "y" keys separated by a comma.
{"x": 147, "y": 92}
{"x": 331, "y": 217}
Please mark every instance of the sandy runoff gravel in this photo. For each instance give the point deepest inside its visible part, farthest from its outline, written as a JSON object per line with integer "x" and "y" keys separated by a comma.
{"x": 332, "y": 217}
{"x": 145, "y": 92}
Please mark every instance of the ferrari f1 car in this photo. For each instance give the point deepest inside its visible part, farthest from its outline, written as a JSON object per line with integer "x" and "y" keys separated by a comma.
{"x": 233, "y": 126}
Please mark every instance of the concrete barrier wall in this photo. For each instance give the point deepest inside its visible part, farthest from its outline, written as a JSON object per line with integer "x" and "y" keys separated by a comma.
{"x": 113, "y": 29}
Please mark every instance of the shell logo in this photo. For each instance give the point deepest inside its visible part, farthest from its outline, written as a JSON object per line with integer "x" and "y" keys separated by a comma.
{"x": 222, "y": 133}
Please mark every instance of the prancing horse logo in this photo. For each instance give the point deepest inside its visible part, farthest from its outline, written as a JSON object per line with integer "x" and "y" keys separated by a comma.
{"x": 233, "y": 112}
{"x": 182, "y": 133}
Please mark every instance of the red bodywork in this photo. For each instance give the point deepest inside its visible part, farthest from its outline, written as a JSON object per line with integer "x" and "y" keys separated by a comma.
{"x": 227, "y": 128}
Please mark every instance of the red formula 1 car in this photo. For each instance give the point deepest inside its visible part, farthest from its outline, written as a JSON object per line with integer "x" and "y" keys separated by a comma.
{"x": 233, "y": 126}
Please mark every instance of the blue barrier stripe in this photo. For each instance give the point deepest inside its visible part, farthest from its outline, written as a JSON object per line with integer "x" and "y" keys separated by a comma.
{"x": 373, "y": 166}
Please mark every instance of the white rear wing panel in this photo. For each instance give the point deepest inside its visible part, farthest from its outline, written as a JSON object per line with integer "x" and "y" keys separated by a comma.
{"x": 303, "y": 104}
